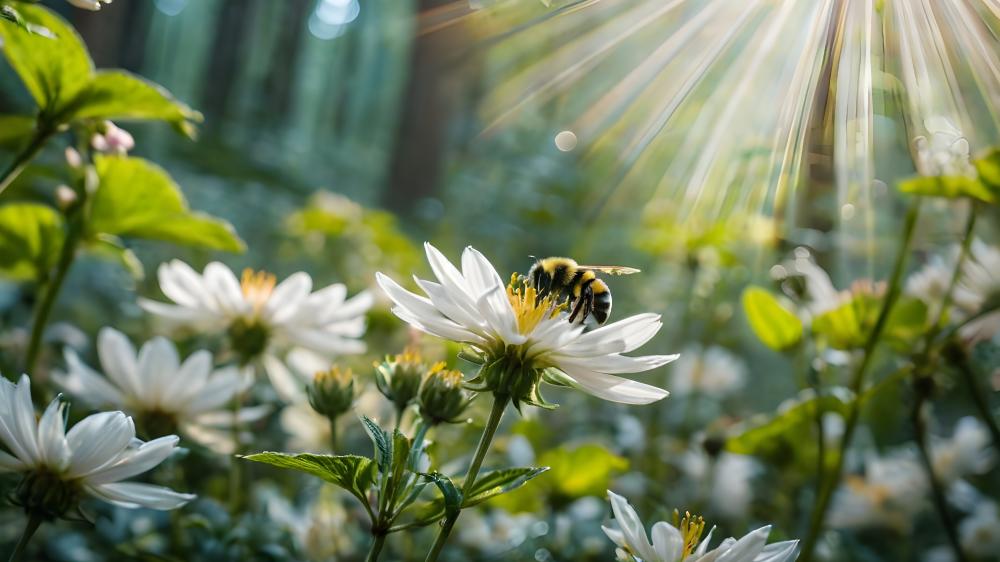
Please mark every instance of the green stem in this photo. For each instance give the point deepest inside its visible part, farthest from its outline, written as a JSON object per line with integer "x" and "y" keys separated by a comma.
{"x": 377, "y": 543}
{"x": 937, "y": 490}
{"x": 496, "y": 414}
{"x": 51, "y": 292}
{"x": 958, "y": 359}
{"x": 816, "y": 380}
{"x": 42, "y": 134}
{"x": 970, "y": 226}
{"x": 333, "y": 435}
{"x": 29, "y": 530}
{"x": 236, "y": 471}
{"x": 857, "y": 384}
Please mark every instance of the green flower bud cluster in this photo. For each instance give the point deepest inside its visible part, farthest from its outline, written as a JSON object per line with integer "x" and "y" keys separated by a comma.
{"x": 46, "y": 495}
{"x": 441, "y": 397}
{"x": 332, "y": 392}
{"x": 399, "y": 377}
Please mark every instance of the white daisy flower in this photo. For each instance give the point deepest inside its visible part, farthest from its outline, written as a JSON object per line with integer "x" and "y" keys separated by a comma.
{"x": 713, "y": 372}
{"x": 978, "y": 286}
{"x": 521, "y": 339}
{"x": 682, "y": 540}
{"x": 980, "y": 531}
{"x": 889, "y": 495}
{"x": 264, "y": 319}
{"x": 944, "y": 151}
{"x": 727, "y": 480}
{"x": 967, "y": 452}
{"x": 930, "y": 284}
{"x": 164, "y": 394}
{"x": 92, "y": 458}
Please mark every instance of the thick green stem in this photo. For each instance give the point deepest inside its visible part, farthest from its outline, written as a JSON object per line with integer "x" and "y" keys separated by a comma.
{"x": 857, "y": 384}
{"x": 496, "y": 414}
{"x": 937, "y": 489}
{"x": 42, "y": 135}
{"x": 333, "y": 435}
{"x": 50, "y": 293}
{"x": 29, "y": 530}
{"x": 377, "y": 543}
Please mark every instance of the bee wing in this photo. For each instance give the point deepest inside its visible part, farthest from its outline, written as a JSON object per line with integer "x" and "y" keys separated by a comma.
{"x": 611, "y": 269}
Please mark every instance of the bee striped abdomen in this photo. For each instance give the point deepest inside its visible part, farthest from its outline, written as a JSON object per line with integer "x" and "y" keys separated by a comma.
{"x": 601, "y": 307}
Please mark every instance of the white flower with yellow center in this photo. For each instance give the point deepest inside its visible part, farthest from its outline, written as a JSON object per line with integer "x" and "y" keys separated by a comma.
{"x": 92, "y": 458}
{"x": 163, "y": 393}
{"x": 965, "y": 453}
{"x": 520, "y": 339}
{"x": 978, "y": 287}
{"x": 682, "y": 540}
{"x": 889, "y": 495}
{"x": 264, "y": 319}
{"x": 713, "y": 372}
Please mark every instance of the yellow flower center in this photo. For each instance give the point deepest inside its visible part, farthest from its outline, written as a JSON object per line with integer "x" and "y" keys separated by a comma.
{"x": 342, "y": 377}
{"x": 257, "y": 287}
{"x": 528, "y": 308}
{"x": 447, "y": 377}
{"x": 691, "y": 528}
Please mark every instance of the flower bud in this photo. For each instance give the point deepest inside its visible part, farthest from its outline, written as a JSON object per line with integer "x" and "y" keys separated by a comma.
{"x": 112, "y": 140}
{"x": 398, "y": 378}
{"x": 73, "y": 157}
{"x": 441, "y": 397}
{"x": 65, "y": 197}
{"x": 46, "y": 495}
{"x": 248, "y": 338}
{"x": 332, "y": 392}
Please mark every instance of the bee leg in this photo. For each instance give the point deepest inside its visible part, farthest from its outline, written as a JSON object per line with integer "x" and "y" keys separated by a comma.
{"x": 589, "y": 295}
{"x": 576, "y": 309}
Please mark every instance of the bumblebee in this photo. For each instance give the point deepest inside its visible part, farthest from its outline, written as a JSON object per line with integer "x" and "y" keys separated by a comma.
{"x": 576, "y": 284}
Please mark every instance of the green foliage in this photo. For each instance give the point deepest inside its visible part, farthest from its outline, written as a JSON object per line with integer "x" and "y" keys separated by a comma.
{"x": 31, "y": 236}
{"x": 989, "y": 171}
{"x": 773, "y": 324}
{"x": 353, "y": 473}
{"x": 382, "y": 442}
{"x": 59, "y": 74}
{"x": 451, "y": 496}
{"x": 848, "y": 325}
{"x": 951, "y": 187}
{"x": 14, "y": 129}
{"x": 137, "y": 198}
{"x": 497, "y": 482}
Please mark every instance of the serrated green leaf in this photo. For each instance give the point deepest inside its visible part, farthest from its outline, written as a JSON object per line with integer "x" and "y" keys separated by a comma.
{"x": 31, "y": 236}
{"x": 499, "y": 482}
{"x": 119, "y": 95}
{"x": 950, "y": 187}
{"x": 773, "y": 324}
{"x": 353, "y": 473}
{"x": 136, "y": 198}
{"x": 382, "y": 442}
{"x": 53, "y": 69}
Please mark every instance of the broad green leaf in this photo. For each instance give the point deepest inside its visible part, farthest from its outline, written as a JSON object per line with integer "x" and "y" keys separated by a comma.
{"x": 111, "y": 247}
{"x": 498, "y": 482}
{"x": 989, "y": 170}
{"x": 951, "y": 187}
{"x": 53, "y": 69}
{"x": 31, "y": 236}
{"x": 353, "y": 473}
{"x": 907, "y": 322}
{"x": 849, "y": 325}
{"x": 118, "y": 95}
{"x": 774, "y": 325}
{"x": 136, "y": 198}
{"x": 382, "y": 442}
{"x": 15, "y": 130}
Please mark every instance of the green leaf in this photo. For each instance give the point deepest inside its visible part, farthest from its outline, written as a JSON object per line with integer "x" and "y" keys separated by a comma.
{"x": 773, "y": 324}
{"x": 31, "y": 236}
{"x": 383, "y": 444}
{"x": 849, "y": 325}
{"x": 118, "y": 95}
{"x": 989, "y": 170}
{"x": 498, "y": 482}
{"x": 53, "y": 69}
{"x": 907, "y": 322}
{"x": 111, "y": 247}
{"x": 136, "y": 198}
{"x": 15, "y": 130}
{"x": 951, "y": 187}
{"x": 450, "y": 494}
{"x": 353, "y": 473}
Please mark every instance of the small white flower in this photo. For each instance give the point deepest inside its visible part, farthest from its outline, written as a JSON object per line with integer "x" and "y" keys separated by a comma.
{"x": 819, "y": 294}
{"x": 930, "y": 284}
{"x": 980, "y": 531}
{"x": 163, "y": 393}
{"x": 966, "y": 453}
{"x": 683, "y": 542}
{"x": 980, "y": 282}
{"x": 92, "y": 5}
{"x": 890, "y": 493}
{"x": 727, "y": 481}
{"x": 265, "y": 320}
{"x": 308, "y": 431}
{"x": 945, "y": 151}
{"x": 113, "y": 140}
{"x": 92, "y": 458}
{"x": 712, "y": 372}
{"x": 495, "y": 532}
{"x": 526, "y": 335}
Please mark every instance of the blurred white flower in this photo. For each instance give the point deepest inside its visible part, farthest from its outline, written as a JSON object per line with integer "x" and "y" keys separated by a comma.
{"x": 945, "y": 151}
{"x": 967, "y": 452}
{"x": 113, "y": 140}
{"x": 513, "y": 326}
{"x": 727, "y": 481}
{"x": 978, "y": 286}
{"x": 713, "y": 372}
{"x": 890, "y": 493}
{"x": 264, "y": 319}
{"x": 308, "y": 431}
{"x": 322, "y": 527}
{"x": 818, "y": 295}
{"x": 980, "y": 531}
{"x": 930, "y": 283}
{"x": 683, "y": 542}
{"x": 163, "y": 393}
{"x": 630, "y": 433}
{"x": 92, "y": 5}
{"x": 92, "y": 458}
{"x": 495, "y": 532}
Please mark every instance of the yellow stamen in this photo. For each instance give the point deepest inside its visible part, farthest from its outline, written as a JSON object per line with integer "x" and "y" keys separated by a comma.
{"x": 257, "y": 287}
{"x": 448, "y": 377}
{"x": 528, "y": 308}
{"x": 341, "y": 376}
{"x": 691, "y": 528}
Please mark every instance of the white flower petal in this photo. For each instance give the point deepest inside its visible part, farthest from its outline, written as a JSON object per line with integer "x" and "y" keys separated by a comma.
{"x": 748, "y": 547}
{"x": 157, "y": 366}
{"x": 221, "y": 387}
{"x": 785, "y": 551}
{"x": 631, "y": 527}
{"x": 183, "y": 285}
{"x": 289, "y": 387}
{"x": 118, "y": 359}
{"x": 287, "y": 297}
{"x": 10, "y": 463}
{"x": 52, "y": 445}
{"x": 135, "y": 461}
{"x": 222, "y": 284}
{"x": 667, "y": 541}
{"x": 134, "y": 495}
{"x": 22, "y": 422}
{"x": 97, "y": 440}
{"x": 615, "y": 389}
{"x": 616, "y": 364}
{"x": 83, "y": 382}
